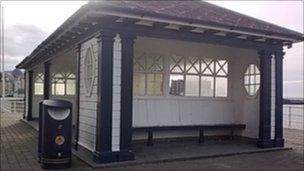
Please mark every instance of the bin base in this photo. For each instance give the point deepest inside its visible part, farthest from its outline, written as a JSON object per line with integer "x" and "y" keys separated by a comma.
{"x": 57, "y": 166}
{"x": 55, "y": 163}
{"x": 39, "y": 158}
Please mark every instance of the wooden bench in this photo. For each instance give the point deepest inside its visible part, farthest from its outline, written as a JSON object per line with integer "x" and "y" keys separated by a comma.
{"x": 200, "y": 128}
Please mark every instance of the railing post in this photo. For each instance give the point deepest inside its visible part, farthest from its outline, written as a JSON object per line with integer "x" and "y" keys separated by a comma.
{"x": 289, "y": 117}
{"x": 15, "y": 109}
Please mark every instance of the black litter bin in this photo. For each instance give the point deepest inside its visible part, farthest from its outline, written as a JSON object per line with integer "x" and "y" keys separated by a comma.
{"x": 40, "y": 131}
{"x": 56, "y": 134}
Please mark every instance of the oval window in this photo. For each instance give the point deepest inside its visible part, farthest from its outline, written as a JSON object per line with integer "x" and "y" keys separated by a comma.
{"x": 252, "y": 79}
{"x": 89, "y": 71}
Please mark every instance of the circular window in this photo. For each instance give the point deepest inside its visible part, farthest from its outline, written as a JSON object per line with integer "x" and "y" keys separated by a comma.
{"x": 89, "y": 71}
{"x": 252, "y": 79}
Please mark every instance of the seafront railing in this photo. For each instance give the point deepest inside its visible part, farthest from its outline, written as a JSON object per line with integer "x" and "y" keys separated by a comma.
{"x": 293, "y": 116}
{"x": 12, "y": 105}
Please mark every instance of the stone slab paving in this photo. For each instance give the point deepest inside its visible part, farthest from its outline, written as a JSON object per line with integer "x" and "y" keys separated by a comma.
{"x": 19, "y": 146}
{"x": 19, "y": 142}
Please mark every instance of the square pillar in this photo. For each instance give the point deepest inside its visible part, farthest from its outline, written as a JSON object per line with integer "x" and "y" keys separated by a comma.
{"x": 29, "y": 94}
{"x": 46, "y": 81}
{"x": 264, "y": 140}
{"x": 279, "y": 141}
{"x": 126, "y": 106}
{"x": 25, "y": 96}
{"x": 103, "y": 151}
{"x": 115, "y": 96}
{"x": 77, "y": 51}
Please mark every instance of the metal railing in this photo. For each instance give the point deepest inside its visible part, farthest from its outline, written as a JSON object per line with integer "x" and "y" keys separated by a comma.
{"x": 293, "y": 116}
{"x": 12, "y": 105}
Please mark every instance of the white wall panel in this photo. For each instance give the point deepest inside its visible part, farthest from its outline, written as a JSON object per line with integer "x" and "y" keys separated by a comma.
{"x": 116, "y": 94}
{"x": 87, "y": 104}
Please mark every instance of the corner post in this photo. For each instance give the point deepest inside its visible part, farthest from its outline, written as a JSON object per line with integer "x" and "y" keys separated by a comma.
{"x": 264, "y": 140}
{"x": 46, "y": 81}
{"x": 30, "y": 95}
{"x": 103, "y": 147}
{"x": 25, "y": 95}
{"x": 279, "y": 141}
{"x": 76, "y": 135}
{"x": 126, "y": 108}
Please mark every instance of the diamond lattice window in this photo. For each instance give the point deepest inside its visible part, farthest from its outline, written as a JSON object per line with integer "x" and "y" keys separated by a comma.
{"x": 38, "y": 84}
{"x": 148, "y": 74}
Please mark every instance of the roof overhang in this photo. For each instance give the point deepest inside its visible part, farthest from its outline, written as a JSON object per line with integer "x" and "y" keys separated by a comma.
{"x": 91, "y": 15}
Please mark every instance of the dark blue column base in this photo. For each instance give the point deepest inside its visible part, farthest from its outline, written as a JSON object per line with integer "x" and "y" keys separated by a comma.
{"x": 264, "y": 143}
{"x": 279, "y": 142}
{"x": 75, "y": 144}
{"x": 112, "y": 156}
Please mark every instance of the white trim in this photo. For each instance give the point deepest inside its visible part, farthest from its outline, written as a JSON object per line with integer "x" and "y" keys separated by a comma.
{"x": 116, "y": 94}
{"x": 273, "y": 95}
{"x": 88, "y": 90}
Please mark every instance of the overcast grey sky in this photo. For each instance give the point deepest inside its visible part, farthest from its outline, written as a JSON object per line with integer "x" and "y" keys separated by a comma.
{"x": 28, "y": 23}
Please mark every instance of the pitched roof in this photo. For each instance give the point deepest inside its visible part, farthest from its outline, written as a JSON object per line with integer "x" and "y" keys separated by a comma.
{"x": 200, "y": 11}
{"x": 197, "y": 14}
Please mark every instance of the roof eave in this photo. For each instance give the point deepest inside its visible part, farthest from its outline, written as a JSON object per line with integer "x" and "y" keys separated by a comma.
{"x": 112, "y": 10}
{"x": 297, "y": 37}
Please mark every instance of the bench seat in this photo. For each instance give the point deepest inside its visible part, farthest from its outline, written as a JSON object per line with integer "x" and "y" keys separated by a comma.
{"x": 200, "y": 128}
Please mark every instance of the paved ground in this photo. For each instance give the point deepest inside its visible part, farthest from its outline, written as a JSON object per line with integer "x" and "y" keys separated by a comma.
{"x": 18, "y": 152}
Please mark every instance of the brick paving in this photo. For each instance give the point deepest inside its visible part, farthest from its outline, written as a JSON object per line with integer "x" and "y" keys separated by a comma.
{"x": 19, "y": 142}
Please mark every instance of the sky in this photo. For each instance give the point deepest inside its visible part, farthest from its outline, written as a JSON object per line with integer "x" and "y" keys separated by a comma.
{"x": 28, "y": 23}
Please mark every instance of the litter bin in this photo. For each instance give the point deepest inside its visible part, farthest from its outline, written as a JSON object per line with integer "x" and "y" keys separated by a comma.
{"x": 56, "y": 134}
{"x": 40, "y": 131}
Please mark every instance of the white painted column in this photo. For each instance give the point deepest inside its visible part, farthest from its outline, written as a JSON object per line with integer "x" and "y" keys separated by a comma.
{"x": 116, "y": 94}
{"x": 273, "y": 97}
{"x": 26, "y": 93}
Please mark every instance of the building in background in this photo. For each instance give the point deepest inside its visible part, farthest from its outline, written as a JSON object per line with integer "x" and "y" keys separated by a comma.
{"x": 14, "y": 83}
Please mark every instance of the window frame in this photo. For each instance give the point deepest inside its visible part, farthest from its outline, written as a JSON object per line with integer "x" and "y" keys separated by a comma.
{"x": 39, "y": 77}
{"x": 63, "y": 77}
{"x": 73, "y": 78}
{"x": 146, "y": 70}
{"x": 212, "y": 68}
{"x": 255, "y": 84}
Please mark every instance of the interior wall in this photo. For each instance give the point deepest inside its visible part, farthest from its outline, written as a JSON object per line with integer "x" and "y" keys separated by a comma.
{"x": 246, "y": 107}
{"x": 36, "y": 98}
{"x": 238, "y": 107}
{"x": 66, "y": 63}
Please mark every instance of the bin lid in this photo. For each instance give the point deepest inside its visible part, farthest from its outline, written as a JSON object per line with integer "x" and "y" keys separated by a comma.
{"x": 57, "y": 103}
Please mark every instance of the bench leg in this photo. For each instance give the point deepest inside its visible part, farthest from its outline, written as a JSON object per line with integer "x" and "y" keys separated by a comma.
{"x": 150, "y": 138}
{"x": 201, "y": 136}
